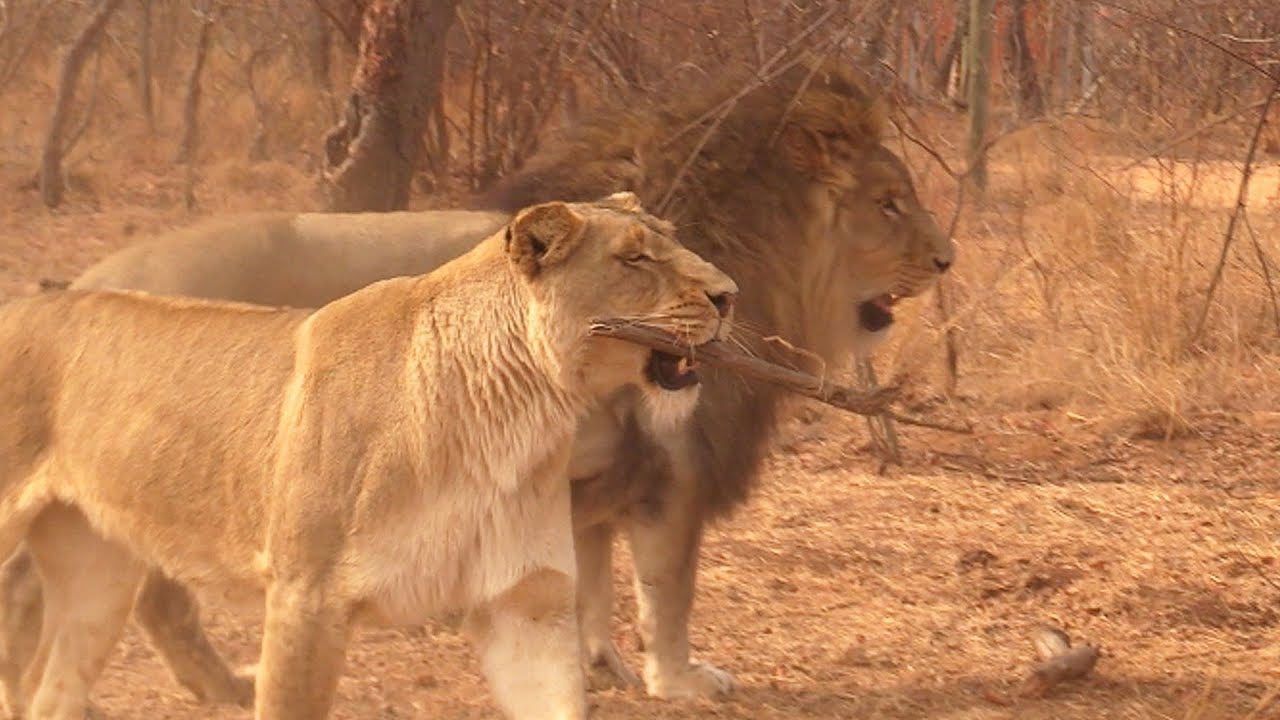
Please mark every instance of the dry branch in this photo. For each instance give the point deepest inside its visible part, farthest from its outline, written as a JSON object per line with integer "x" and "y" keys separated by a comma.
{"x": 723, "y": 355}
{"x": 1242, "y": 200}
{"x": 51, "y": 183}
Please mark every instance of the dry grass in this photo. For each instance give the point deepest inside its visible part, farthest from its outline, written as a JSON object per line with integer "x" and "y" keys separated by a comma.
{"x": 1083, "y": 274}
{"x": 843, "y": 594}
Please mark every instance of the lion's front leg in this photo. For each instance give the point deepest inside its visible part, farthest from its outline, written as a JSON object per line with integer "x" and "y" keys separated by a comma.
{"x": 593, "y": 547}
{"x": 304, "y": 645}
{"x": 664, "y": 545}
{"x": 527, "y": 640}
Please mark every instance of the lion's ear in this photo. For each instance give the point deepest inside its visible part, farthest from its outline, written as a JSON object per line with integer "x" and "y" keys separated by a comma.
{"x": 805, "y": 150}
{"x": 625, "y": 200}
{"x": 542, "y": 236}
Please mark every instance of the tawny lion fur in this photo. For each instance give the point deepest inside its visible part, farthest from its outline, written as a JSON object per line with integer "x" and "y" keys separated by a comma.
{"x": 794, "y": 195}
{"x": 398, "y": 454}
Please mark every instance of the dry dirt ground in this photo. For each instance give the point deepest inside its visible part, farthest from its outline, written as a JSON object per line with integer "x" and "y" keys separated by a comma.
{"x": 840, "y": 592}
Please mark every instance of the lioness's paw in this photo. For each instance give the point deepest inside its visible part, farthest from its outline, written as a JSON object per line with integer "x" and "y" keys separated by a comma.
{"x": 697, "y": 680}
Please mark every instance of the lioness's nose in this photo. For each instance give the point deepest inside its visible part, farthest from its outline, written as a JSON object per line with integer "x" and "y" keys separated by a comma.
{"x": 723, "y": 302}
{"x": 943, "y": 264}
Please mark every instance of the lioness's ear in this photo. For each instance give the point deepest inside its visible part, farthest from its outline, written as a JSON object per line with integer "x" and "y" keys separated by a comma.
{"x": 805, "y": 150}
{"x": 542, "y": 236}
{"x": 625, "y": 200}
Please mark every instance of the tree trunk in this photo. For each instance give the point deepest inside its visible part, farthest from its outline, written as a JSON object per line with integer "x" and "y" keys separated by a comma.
{"x": 318, "y": 41}
{"x": 191, "y": 109}
{"x": 144, "y": 69}
{"x": 951, "y": 52}
{"x": 979, "y": 64}
{"x": 371, "y": 155}
{"x": 1030, "y": 99}
{"x": 51, "y": 181}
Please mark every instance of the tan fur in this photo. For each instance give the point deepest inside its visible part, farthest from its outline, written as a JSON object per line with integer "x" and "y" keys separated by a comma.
{"x": 798, "y": 199}
{"x": 296, "y": 260}
{"x": 398, "y": 454}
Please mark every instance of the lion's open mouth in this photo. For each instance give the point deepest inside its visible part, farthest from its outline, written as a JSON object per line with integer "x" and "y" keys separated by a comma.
{"x": 671, "y": 372}
{"x": 877, "y": 313}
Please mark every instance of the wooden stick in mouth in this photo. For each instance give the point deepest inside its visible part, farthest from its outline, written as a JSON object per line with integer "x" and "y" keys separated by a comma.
{"x": 724, "y": 355}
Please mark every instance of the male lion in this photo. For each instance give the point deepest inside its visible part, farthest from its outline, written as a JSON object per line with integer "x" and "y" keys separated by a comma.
{"x": 399, "y": 453}
{"x": 794, "y": 194}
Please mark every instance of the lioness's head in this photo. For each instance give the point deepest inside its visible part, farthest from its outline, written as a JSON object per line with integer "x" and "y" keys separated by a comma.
{"x": 610, "y": 259}
{"x": 884, "y": 244}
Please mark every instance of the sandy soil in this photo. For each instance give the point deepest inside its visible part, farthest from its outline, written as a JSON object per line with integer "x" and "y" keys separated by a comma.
{"x": 843, "y": 593}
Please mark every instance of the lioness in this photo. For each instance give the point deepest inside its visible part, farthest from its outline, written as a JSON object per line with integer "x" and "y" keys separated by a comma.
{"x": 399, "y": 453}
{"x": 794, "y": 194}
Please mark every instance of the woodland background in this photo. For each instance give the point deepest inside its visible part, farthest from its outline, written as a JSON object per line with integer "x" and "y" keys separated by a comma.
{"x": 1111, "y": 329}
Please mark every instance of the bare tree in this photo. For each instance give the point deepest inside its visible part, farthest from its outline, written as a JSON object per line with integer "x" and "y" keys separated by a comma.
{"x": 191, "y": 108}
{"x": 1022, "y": 65}
{"x": 144, "y": 66}
{"x": 978, "y": 62}
{"x": 951, "y": 52}
{"x": 51, "y": 181}
{"x": 370, "y": 156}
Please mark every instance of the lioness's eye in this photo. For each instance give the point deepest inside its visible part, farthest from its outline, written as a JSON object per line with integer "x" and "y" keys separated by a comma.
{"x": 890, "y": 206}
{"x": 635, "y": 258}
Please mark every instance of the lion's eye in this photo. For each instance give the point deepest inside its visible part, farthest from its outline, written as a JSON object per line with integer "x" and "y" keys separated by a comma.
{"x": 636, "y": 258}
{"x": 890, "y": 206}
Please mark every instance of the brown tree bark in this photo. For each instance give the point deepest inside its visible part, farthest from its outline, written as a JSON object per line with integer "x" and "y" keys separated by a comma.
{"x": 191, "y": 108}
{"x": 951, "y": 52}
{"x": 370, "y": 156}
{"x": 144, "y": 67}
{"x": 1018, "y": 51}
{"x": 978, "y": 63}
{"x": 51, "y": 181}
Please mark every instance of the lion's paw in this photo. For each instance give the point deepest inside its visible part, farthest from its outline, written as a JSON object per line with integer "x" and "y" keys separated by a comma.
{"x": 697, "y": 680}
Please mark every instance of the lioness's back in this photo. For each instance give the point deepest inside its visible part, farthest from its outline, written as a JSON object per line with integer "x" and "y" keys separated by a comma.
{"x": 121, "y": 375}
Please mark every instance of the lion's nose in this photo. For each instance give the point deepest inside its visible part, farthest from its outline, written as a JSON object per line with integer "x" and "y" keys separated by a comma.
{"x": 723, "y": 302}
{"x": 942, "y": 265}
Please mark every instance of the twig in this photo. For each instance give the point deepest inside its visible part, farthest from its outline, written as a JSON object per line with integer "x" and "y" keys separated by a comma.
{"x": 1192, "y": 33}
{"x": 717, "y": 114}
{"x": 1188, "y": 135}
{"x": 1242, "y": 199}
{"x": 723, "y": 355}
{"x": 881, "y": 426}
{"x": 1265, "y": 262}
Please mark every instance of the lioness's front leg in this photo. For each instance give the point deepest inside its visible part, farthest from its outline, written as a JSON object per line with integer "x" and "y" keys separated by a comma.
{"x": 664, "y": 545}
{"x": 528, "y": 644}
{"x": 304, "y": 644}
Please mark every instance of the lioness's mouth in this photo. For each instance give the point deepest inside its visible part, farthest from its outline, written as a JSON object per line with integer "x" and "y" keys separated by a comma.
{"x": 877, "y": 313}
{"x": 671, "y": 372}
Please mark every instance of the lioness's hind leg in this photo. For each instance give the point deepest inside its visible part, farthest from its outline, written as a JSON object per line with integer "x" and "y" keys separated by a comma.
{"x": 89, "y": 585}
{"x": 528, "y": 645}
{"x": 21, "y": 608}
{"x": 170, "y": 615}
